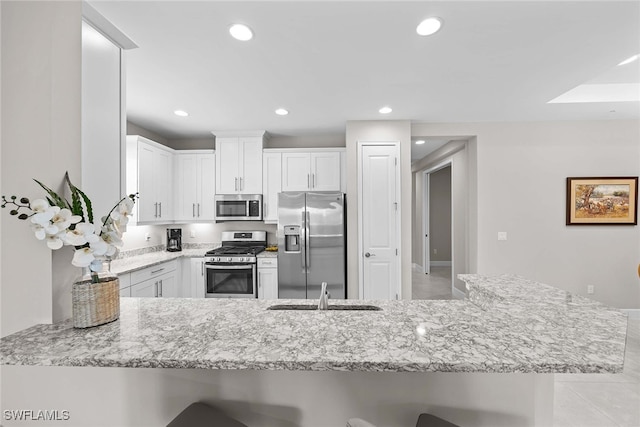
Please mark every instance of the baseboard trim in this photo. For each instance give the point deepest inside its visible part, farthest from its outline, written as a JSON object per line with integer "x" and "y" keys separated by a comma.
{"x": 440, "y": 263}
{"x": 633, "y": 313}
{"x": 458, "y": 294}
{"x": 416, "y": 266}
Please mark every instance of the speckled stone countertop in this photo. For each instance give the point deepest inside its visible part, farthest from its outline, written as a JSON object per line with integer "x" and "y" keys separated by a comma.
{"x": 133, "y": 263}
{"x": 524, "y": 326}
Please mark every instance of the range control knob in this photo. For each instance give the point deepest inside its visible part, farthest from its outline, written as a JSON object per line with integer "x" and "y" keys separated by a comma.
{"x": 229, "y": 259}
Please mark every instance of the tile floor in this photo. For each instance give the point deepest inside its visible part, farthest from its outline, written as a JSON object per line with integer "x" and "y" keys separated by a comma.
{"x": 581, "y": 400}
{"x": 436, "y": 285}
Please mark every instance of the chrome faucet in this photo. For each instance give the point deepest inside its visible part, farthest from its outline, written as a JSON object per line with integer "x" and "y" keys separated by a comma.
{"x": 323, "y": 304}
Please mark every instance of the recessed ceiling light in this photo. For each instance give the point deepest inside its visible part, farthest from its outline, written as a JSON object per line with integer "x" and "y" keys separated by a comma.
{"x": 181, "y": 113}
{"x": 241, "y": 32}
{"x": 429, "y": 26}
{"x": 385, "y": 110}
{"x": 420, "y": 142}
{"x": 629, "y": 60}
{"x": 281, "y": 112}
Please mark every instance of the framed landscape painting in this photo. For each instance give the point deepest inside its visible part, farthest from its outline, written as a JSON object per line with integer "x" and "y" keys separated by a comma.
{"x": 602, "y": 201}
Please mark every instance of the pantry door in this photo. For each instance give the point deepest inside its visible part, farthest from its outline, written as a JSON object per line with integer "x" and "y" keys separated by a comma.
{"x": 378, "y": 221}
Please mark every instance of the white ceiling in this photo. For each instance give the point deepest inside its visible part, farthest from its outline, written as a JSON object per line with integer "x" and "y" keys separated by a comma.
{"x": 329, "y": 62}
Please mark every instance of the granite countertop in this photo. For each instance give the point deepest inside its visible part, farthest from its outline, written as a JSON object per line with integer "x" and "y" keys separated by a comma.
{"x": 137, "y": 262}
{"x": 509, "y": 324}
{"x": 267, "y": 254}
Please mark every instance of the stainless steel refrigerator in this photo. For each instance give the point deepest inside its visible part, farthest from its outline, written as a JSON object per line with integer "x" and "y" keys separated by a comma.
{"x": 311, "y": 244}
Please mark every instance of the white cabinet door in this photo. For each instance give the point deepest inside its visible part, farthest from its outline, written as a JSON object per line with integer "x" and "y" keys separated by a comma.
{"x": 268, "y": 283}
{"x": 271, "y": 186}
{"x": 205, "y": 207}
{"x": 251, "y": 166}
{"x": 147, "y": 288}
{"x": 186, "y": 187}
{"x": 267, "y": 278}
{"x": 125, "y": 292}
{"x": 197, "y": 278}
{"x": 227, "y": 165}
{"x": 325, "y": 171}
{"x": 296, "y": 175}
{"x": 163, "y": 179}
{"x": 168, "y": 285}
{"x": 146, "y": 203}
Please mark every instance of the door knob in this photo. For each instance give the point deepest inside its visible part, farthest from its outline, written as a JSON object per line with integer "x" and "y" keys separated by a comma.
{"x": 368, "y": 255}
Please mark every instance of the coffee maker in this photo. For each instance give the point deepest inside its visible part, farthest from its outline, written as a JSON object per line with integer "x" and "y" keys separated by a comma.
{"x": 174, "y": 239}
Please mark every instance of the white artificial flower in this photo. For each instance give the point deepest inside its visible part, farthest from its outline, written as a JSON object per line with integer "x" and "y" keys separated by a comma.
{"x": 111, "y": 250}
{"x": 83, "y": 257}
{"x": 39, "y": 205}
{"x": 54, "y": 241}
{"x": 83, "y": 233}
{"x": 63, "y": 218}
{"x": 43, "y": 218}
{"x": 111, "y": 237}
{"x": 39, "y": 230}
{"x": 122, "y": 213}
{"x": 99, "y": 247}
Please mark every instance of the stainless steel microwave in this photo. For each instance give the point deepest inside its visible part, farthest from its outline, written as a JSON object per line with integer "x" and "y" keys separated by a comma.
{"x": 238, "y": 207}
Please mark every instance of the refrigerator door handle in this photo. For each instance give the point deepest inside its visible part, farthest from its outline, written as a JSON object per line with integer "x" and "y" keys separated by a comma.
{"x": 303, "y": 241}
{"x": 307, "y": 239}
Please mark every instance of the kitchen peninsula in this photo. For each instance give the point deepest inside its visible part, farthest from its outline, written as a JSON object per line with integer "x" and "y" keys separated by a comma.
{"x": 456, "y": 359}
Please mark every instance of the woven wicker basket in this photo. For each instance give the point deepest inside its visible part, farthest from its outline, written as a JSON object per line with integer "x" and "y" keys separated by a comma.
{"x": 95, "y": 303}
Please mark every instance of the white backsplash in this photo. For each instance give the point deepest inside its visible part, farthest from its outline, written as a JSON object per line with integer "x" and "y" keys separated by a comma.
{"x": 135, "y": 236}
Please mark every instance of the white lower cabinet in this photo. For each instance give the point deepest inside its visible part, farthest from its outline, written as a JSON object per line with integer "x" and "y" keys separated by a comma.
{"x": 125, "y": 284}
{"x": 196, "y": 278}
{"x": 267, "y": 278}
{"x": 157, "y": 281}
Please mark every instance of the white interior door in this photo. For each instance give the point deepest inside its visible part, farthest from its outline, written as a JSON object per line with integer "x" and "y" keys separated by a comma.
{"x": 379, "y": 216}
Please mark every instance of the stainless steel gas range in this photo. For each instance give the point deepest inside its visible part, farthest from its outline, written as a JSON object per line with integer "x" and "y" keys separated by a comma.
{"x": 231, "y": 269}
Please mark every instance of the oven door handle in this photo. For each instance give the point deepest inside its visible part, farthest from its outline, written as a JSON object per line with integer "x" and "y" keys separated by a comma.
{"x": 229, "y": 267}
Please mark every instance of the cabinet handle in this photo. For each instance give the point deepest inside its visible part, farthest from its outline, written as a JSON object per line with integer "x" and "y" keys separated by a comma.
{"x": 160, "y": 208}
{"x": 198, "y": 210}
{"x": 308, "y": 183}
{"x": 160, "y": 287}
{"x": 156, "y": 290}
{"x": 313, "y": 180}
{"x": 202, "y": 268}
{"x": 240, "y": 183}
{"x": 155, "y": 213}
{"x": 157, "y": 271}
{"x": 264, "y": 209}
{"x": 236, "y": 184}
{"x": 193, "y": 210}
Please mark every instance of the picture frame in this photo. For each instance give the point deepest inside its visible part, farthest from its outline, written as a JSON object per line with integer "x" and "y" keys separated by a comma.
{"x": 602, "y": 200}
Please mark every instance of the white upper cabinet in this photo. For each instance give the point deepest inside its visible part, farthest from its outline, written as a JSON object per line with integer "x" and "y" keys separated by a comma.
{"x": 271, "y": 185}
{"x": 239, "y": 163}
{"x": 311, "y": 171}
{"x": 150, "y": 174}
{"x": 195, "y": 185}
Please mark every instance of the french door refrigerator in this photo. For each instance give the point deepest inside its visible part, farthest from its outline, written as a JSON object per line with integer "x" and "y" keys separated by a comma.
{"x": 311, "y": 244}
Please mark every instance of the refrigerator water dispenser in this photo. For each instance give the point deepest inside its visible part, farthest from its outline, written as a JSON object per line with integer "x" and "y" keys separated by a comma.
{"x": 292, "y": 238}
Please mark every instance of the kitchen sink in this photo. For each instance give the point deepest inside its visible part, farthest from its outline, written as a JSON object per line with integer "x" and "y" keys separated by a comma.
{"x": 331, "y": 307}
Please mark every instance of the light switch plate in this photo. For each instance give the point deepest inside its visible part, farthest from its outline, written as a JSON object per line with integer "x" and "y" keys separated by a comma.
{"x": 193, "y": 233}
{"x": 502, "y": 235}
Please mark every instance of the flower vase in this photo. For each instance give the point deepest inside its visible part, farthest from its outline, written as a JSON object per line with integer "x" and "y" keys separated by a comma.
{"x": 96, "y": 296}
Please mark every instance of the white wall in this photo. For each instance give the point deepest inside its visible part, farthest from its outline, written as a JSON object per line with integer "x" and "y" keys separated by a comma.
{"x": 378, "y": 130}
{"x": 41, "y": 71}
{"x": 521, "y": 176}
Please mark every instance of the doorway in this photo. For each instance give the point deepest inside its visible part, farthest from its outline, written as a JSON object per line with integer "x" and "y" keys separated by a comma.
{"x": 434, "y": 279}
